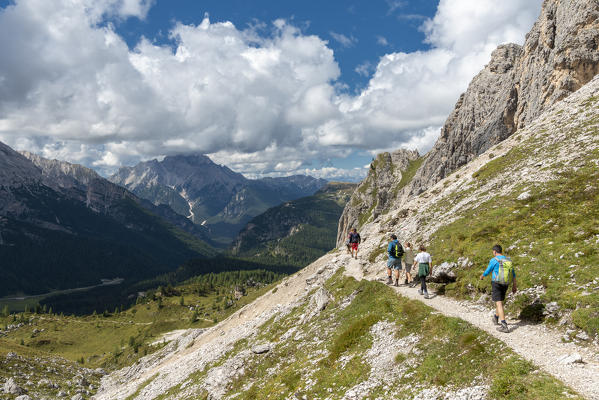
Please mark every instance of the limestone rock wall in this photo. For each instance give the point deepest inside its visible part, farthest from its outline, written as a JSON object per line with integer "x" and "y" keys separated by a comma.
{"x": 377, "y": 192}
{"x": 560, "y": 54}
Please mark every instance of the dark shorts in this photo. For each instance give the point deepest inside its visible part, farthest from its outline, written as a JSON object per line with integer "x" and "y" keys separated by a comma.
{"x": 498, "y": 291}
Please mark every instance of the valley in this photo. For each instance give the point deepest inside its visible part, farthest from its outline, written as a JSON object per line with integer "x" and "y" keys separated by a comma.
{"x": 225, "y": 287}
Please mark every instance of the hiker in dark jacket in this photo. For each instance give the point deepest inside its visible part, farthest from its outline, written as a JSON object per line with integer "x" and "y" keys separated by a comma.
{"x": 395, "y": 252}
{"x": 354, "y": 241}
{"x": 498, "y": 266}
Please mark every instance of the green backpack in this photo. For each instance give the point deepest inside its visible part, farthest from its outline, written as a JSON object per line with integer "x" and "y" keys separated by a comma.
{"x": 506, "y": 272}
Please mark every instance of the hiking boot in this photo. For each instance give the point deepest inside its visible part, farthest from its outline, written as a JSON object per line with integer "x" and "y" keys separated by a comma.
{"x": 412, "y": 284}
{"x": 426, "y": 296}
{"x": 495, "y": 319}
{"x": 389, "y": 280}
{"x": 396, "y": 283}
{"x": 420, "y": 292}
{"x": 405, "y": 282}
{"x": 503, "y": 328}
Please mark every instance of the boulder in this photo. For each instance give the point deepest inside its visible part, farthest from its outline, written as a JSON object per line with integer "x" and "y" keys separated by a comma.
{"x": 443, "y": 273}
{"x": 23, "y": 397}
{"x": 321, "y": 299}
{"x": 551, "y": 310}
{"x": 261, "y": 348}
{"x": 573, "y": 358}
{"x": 524, "y": 196}
{"x": 11, "y": 387}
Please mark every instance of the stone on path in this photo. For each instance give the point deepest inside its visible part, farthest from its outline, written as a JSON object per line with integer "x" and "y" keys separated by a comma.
{"x": 571, "y": 359}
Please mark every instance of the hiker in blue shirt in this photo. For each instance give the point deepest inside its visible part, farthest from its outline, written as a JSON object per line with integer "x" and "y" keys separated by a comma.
{"x": 395, "y": 251}
{"x": 498, "y": 266}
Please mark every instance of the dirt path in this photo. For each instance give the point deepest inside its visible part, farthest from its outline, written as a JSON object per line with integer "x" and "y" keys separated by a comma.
{"x": 536, "y": 343}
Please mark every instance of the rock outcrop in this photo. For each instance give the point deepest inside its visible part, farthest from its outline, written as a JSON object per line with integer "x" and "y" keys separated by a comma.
{"x": 378, "y": 191}
{"x": 560, "y": 54}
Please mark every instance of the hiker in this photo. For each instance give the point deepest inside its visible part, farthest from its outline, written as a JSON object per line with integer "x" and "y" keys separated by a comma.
{"x": 395, "y": 252}
{"x": 347, "y": 243}
{"x": 408, "y": 261}
{"x": 503, "y": 274}
{"x": 425, "y": 268}
{"x": 354, "y": 240}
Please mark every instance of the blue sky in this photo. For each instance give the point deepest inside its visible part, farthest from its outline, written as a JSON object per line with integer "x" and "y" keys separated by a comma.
{"x": 267, "y": 88}
{"x": 359, "y": 32}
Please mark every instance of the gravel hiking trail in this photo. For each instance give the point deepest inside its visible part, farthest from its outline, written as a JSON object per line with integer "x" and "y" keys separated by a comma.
{"x": 538, "y": 344}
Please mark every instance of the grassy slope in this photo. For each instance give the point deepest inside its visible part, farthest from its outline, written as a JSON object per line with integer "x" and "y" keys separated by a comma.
{"x": 116, "y": 339}
{"x": 330, "y": 357}
{"x": 552, "y": 236}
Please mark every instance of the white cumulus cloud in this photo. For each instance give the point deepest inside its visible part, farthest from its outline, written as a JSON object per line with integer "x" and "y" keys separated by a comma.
{"x": 262, "y": 103}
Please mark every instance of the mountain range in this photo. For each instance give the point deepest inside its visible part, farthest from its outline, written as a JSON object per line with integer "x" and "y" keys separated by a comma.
{"x": 64, "y": 226}
{"x": 209, "y": 194}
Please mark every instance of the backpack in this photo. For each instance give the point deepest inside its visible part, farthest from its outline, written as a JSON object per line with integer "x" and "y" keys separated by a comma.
{"x": 396, "y": 250}
{"x": 505, "y": 274}
{"x": 354, "y": 238}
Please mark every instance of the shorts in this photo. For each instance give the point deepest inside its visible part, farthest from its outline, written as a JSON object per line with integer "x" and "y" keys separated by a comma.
{"x": 408, "y": 267}
{"x": 394, "y": 263}
{"x": 498, "y": 291}
{"x": 354, "y": 246}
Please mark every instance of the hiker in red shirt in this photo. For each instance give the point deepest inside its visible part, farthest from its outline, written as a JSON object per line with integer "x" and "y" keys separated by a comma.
{"x": 354, "y": 241}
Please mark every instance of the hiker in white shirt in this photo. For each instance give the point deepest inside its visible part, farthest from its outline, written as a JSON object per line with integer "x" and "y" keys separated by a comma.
{"x": 425, "y": 268}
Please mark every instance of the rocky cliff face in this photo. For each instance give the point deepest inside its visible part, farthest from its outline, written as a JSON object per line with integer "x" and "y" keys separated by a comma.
{"x": 560, "y": 54}
{"x": 388, "y": 172}
{"x": 211, "y": 194}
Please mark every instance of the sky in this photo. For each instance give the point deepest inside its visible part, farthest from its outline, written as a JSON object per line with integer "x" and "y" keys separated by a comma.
{"x": 266, "y": 88}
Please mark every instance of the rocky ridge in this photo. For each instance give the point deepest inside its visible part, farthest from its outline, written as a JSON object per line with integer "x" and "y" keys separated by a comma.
{"x": 99, "y": 194}
{"x": 559, "y": 56}
{"x": 377, "y": 192}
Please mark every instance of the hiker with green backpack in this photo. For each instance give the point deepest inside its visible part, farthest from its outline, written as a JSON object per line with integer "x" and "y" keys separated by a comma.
{"x": 395, "y": 251}
{"x": 503, "y": 274}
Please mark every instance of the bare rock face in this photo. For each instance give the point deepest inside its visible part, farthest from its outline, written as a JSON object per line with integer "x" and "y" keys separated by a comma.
{"x": 560, "y": 55}
{"x": 377, "y": 192}
{"x": 483, "y": 116}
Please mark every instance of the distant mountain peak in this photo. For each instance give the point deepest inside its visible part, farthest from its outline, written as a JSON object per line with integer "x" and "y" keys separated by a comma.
{"x": 210, "y": 194}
